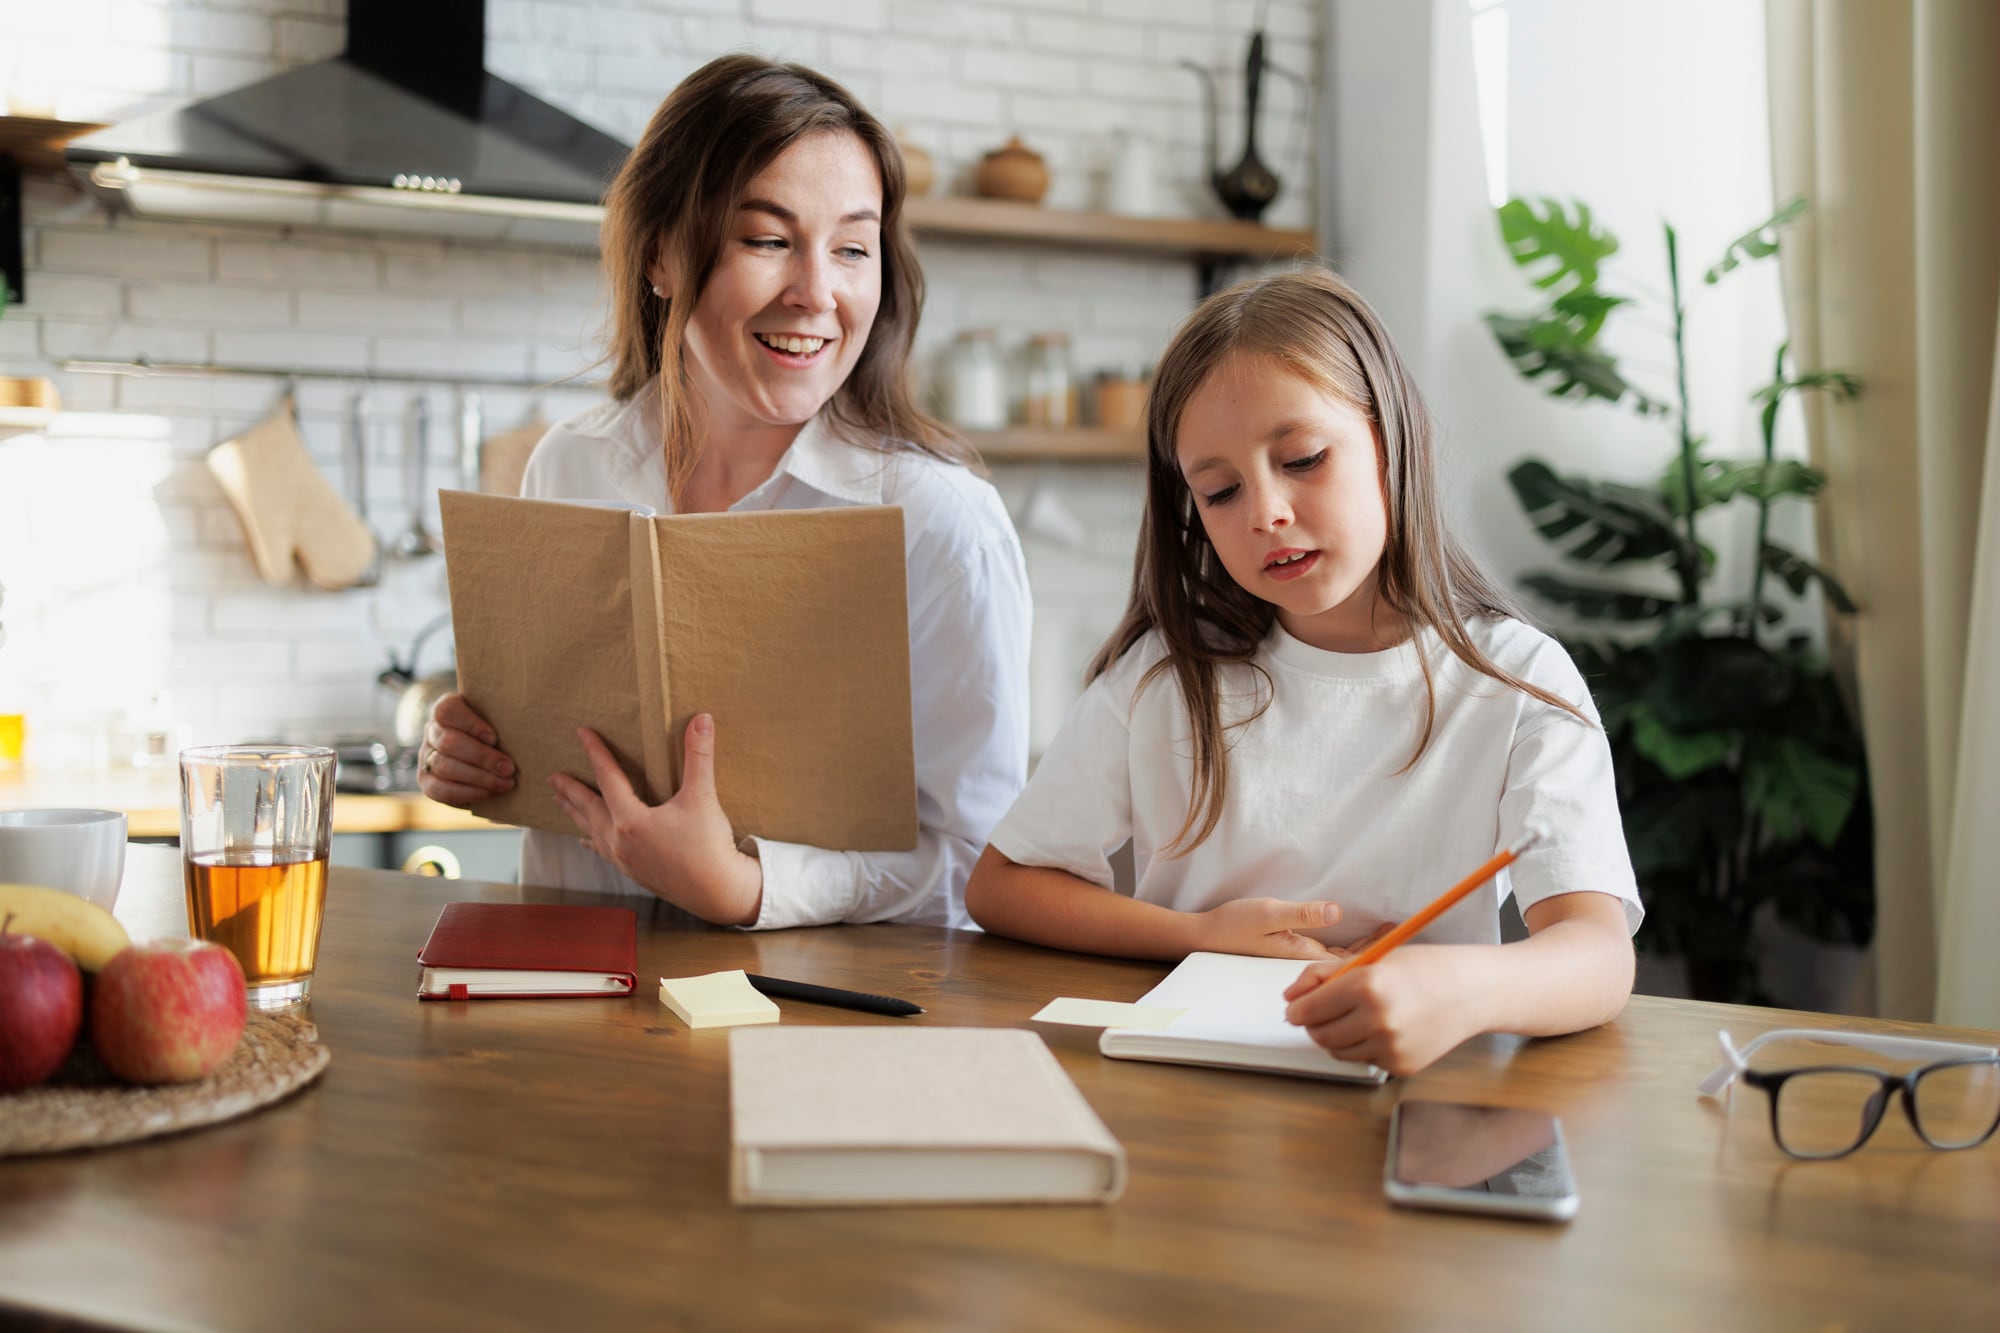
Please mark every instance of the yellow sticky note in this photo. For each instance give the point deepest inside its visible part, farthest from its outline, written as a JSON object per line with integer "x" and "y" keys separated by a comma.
{"x": 718, "y": 1000}
{"x": 1106, "y": 1014}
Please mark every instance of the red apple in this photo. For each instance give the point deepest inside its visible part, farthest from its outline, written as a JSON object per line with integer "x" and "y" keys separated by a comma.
{"x": 167, "y": 1011}
{"x": 41, "y": 1008}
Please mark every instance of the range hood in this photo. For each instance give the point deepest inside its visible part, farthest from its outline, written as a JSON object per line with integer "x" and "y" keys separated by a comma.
{"x": 404, "y": 131}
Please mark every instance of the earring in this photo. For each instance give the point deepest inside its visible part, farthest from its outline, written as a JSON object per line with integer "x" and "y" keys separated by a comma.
{"x": 658, "y": 292}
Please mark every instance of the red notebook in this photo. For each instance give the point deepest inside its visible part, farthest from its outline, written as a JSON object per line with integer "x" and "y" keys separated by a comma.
{"x": 490, "y": 950}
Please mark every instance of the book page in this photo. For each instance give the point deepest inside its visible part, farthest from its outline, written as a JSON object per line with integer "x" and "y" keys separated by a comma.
{"x": 1236, "y": 1018}
{"x": 541, "y": 609}
{"x": 1230, "y": 998}
{"x": 792, "y": 629}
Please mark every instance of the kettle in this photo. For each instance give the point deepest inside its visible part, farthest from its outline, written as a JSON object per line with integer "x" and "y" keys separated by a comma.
{"x": 1249, "y": 187}
{"x": 417, "y": 695}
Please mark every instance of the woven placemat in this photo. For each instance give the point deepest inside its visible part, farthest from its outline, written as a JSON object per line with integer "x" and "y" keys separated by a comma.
{"x": 84, "y": 1106}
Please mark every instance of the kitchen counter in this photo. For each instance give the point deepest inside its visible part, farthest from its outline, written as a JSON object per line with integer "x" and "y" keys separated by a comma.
{"x": 150, "y": 798}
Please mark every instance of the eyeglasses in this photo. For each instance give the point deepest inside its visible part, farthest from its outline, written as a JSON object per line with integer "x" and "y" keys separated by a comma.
{"x": 1820, "y": 1112}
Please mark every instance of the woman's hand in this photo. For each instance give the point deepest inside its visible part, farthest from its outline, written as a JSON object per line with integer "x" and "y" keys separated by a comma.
{"x": 1401, "y": 1013}
{"x": 460, "y": 761}
{"x": 683, "y": 850}
{"x": 1267, "y": 927}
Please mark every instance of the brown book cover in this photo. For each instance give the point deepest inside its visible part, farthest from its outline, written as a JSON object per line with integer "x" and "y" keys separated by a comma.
{"x": 791, "y": 627}
{"x": 869, "y": 1115}
{"x": 495, "y": 950}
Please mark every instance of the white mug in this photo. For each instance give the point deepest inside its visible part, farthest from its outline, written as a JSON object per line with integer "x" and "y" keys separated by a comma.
{"x": 77, "y": 851}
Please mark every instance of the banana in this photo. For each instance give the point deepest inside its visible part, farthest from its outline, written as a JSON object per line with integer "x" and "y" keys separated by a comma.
{"x": 77, "y": 926}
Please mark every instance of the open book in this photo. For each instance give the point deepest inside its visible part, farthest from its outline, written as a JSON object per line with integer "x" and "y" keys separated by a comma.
{"x": 791, "y": 627}
{"x": 1235, "y": 1018}
{"x": 871, "y": 1115}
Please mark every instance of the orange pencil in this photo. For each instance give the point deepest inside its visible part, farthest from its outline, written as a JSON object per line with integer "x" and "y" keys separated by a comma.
{"x": 1373, "y": 953}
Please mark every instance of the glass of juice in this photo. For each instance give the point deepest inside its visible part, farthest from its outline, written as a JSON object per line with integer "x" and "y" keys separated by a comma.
{"x": 256, "y": 826}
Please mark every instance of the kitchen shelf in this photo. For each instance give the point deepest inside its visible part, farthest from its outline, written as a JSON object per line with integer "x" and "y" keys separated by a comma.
{"x": 1000, "y": 219}
{"x": 36, "y": 142}
{"x": 1082, "y": 444}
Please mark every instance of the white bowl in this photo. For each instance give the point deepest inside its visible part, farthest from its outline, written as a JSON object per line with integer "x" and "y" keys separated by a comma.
{"x": 77, "y": 851}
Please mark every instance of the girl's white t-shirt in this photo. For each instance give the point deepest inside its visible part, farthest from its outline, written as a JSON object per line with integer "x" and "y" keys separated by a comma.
{"x": 1319, "y": 804}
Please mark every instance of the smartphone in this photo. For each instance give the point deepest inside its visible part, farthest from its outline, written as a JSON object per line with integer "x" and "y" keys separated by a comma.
{"x": 1506, "y": 1160}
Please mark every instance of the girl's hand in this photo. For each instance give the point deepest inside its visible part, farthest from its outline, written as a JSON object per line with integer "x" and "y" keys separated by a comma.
{"x": 683, "y": 850}
{"x": 460, "y": 761}
{"x": 1401, "y": 1013}
{"x": 1267, "y": 927}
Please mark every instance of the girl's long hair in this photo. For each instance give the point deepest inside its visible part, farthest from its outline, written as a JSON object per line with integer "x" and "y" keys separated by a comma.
{"x": 1320, "y": 329}
{"x": 674, "y": 201}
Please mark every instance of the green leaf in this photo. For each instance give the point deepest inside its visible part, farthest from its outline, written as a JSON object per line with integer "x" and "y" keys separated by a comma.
{"x": 1543, "y": 345}
{"x": 1842, "y": 384}
{"x": 1595, "y": 602}
{"x": 1585, "y": 309}
{"x": 1716, "y": 682}
{"x": 1599, "y": 523}
{"x": 1675, "y": 825}
{"x": 1759, "y": 242}
{"x": 1680, "y": 755}
{"x": 1798, "y": 573}
{"x": 1692, "y": 621}
{"x": 1720, "y": 480}
{"x": 1792, "y": 786}
{"x": 1568, "y": 252}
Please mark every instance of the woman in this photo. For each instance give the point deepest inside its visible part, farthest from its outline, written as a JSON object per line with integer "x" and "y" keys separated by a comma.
{"x": 764, "y": 298}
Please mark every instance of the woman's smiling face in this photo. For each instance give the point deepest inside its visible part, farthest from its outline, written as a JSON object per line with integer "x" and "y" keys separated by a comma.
{"x": 786, "y": 311}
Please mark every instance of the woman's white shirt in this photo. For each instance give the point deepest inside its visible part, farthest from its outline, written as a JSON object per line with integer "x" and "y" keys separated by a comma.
{"x": 1319, "y": 804}
{"x": 969, "y": 628}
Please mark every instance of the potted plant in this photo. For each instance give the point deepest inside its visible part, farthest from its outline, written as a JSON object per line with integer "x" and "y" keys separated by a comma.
{"x": 1740, "y": 772}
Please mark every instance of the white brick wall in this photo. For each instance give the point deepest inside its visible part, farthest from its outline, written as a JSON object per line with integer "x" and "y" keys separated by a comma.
{"x": 125, "y": 570}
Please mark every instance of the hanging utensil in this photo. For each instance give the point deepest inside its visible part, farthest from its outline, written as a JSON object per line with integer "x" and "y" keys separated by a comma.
{"x": 471, "y": 441}
{"x": 357, "y": 481}
{"x": 416, "y": 542}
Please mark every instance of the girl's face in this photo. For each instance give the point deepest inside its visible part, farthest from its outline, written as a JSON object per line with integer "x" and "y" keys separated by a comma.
{"x": 1288, "y": 484}
{"x": 787, "y": 310}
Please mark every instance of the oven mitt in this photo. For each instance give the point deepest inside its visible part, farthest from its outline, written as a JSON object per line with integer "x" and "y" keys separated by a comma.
{"x": 288, "y": 508}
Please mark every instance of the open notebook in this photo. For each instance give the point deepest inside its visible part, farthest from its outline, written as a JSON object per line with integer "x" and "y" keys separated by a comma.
{"x": 1235, "y": 1019}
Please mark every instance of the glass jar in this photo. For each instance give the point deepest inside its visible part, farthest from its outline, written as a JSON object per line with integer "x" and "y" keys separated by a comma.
{"x": 1051, "y": 398}
{"x": 975, "y": 382}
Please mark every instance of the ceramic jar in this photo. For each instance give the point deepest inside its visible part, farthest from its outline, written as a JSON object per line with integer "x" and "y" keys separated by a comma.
{"x": 919, "y": 172}
{"x": 1012, "y": 171}
{"x": 975, "y": 382}
{"x": 1051, "y": 398}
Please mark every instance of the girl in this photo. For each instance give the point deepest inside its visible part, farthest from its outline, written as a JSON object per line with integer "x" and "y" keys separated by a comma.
{"x": 1318, "y": 714}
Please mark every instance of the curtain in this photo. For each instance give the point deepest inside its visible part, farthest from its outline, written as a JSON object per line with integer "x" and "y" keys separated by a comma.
{"x": 1885, "y": 115}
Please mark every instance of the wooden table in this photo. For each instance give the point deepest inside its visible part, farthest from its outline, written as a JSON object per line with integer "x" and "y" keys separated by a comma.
{"x": 546, "y": 1164}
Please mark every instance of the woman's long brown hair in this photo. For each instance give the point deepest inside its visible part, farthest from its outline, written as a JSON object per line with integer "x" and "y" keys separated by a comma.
{"x": 1320, "y": 329}
{"x": 674, "y": 200}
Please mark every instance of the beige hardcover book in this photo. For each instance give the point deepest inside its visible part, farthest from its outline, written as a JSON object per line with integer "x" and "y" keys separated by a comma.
{"x": 1234, "y": 1018}
{"x": 875, "y": 1115}
{"x": 791, "y": 627}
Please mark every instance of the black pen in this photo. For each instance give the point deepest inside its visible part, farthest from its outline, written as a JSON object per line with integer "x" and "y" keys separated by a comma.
{"x": 844, "y": 999}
